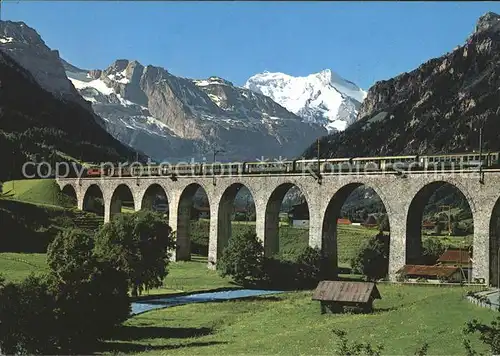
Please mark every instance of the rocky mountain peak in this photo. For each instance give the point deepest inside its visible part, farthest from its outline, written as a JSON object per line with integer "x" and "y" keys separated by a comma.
{"x": 11, "y": 31}
{"x": 488, "y": 22}
{"x": 325, "y": 76}
{"x": 23, "y": 44}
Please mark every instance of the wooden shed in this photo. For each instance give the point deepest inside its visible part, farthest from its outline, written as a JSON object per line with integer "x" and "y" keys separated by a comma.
{"x": 340, "y": 296}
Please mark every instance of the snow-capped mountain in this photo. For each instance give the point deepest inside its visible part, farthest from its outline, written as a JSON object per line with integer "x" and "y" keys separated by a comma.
{"x": 176, "y": 118}
{"x": 324, "y": 98}
{"x": 165, "y": 116}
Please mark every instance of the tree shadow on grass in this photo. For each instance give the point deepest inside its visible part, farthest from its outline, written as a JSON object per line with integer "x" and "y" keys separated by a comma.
{"x": 263, "y": 298}
{"x": 134, "y": 333}
{"x": 384, "y": 310}
{"x": 129, "y": 348}
{"x": 126, "y": 338}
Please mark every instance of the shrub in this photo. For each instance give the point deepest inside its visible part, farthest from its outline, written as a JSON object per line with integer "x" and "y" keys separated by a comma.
{"x": 310, "y": 263}
{"x": 70, "y": 253}
{"x": 90, "y": 305}
{"x": 355, "y": 348}
{"x": 199, "y": 231}
{"x": 303, "y": 270}
{"x": 372, "y": 258}
{"x": 488, "y": 334}
{"x": 243, "y": 259}
{"x": 28, "y": 324}
{"x": 432, "y": 249}
{"x": 280, "y": 273}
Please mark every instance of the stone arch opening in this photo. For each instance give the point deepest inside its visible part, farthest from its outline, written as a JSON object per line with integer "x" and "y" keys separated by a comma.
{"x": 193, "y": 224}
{"x": 93, "y": 200}
{"x": 236, "y": 209}
{"x": 354, "y": 214}
{"x": 286, "y": 227}
{"x": 439, "y": 218}
{"x": 495, "y": 246}
{"x": 122, "y": 200}
{"x": 155, "y": 198}
{"x": 68, "y": 196}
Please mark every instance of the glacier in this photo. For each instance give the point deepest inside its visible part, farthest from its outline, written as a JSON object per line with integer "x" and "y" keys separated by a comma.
{"x": 324, "y": 98}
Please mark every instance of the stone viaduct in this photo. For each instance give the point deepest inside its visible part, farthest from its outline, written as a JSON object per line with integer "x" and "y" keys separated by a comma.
{"x": 404, "y": 197}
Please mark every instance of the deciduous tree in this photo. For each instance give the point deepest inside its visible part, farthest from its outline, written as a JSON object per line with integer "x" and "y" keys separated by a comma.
{"x": 139, "y": 244}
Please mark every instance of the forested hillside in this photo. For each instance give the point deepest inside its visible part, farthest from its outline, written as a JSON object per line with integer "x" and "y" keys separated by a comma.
{"x": 34, "y": 124}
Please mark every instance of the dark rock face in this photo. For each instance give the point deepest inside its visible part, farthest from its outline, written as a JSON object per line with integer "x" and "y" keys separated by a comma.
{"x": 36, "y": 123}
{"x": 436, "y": 108}
{"x": 26, "y": 47}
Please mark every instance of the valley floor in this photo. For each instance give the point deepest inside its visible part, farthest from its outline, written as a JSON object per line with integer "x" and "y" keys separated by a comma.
{"x": 290, "y": 323}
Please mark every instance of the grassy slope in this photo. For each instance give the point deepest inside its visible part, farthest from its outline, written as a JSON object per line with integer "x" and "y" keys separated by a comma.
{"x": 17, "y": 266}
{"x": 183, "y": 276}
{"x": 36, "y": 191}
{"x": 405, "y": 318}
{"x": 290, "y": 323}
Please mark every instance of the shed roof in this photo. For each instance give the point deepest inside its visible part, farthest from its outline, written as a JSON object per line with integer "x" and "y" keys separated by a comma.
{"x": 455, "y": 255}
{"x": 340, "y": 291}
{"x": 343, "y": 221}
{"x": 427, "y": 271}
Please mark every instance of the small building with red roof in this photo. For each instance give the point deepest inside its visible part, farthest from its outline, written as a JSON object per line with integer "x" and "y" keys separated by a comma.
{"x": 434, "y": 274}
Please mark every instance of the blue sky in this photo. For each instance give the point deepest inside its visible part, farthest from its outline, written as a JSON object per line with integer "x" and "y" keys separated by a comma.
{"x": 362, "y": 41}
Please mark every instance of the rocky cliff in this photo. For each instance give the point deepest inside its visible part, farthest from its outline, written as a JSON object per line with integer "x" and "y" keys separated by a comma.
{"x": 175, "y": 118}
{"x": 26, "y": 47}
{"x": 436, "y": 108}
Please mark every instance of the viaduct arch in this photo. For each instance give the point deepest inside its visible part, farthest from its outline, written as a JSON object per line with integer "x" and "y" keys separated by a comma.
{"x": 402, "y": 196}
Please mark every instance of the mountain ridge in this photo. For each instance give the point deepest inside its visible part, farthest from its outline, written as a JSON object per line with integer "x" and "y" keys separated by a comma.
{"x": 435, "y": 108}
{"x": 190, "y": 115}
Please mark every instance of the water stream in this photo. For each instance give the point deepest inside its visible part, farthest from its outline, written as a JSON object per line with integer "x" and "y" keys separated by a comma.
{"x": 142, "y": 306}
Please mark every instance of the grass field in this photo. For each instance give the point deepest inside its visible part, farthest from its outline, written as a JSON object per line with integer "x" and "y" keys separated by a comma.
{"x": 183, "y": 276}
{"x": 289, "y": 323}
{"x": 17, "y": 266}
{"x": 36, "y": 191}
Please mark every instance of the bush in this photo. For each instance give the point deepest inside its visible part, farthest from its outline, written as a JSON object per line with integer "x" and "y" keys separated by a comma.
{"x": 280, "y": 273}
{"x": 310, "y": 263}
{"x": 488, "y": 334}
{"x": 301, "y": 272}
{"x": 28, "y": 324}
{"x": 372, "y": 258}
{"x": 199, "y": 231}
{"x": 432, "y": 249}
{"x": 355, "y": 348}
{"x": 89, "y": 306}
{"x": 243, "y": 259}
